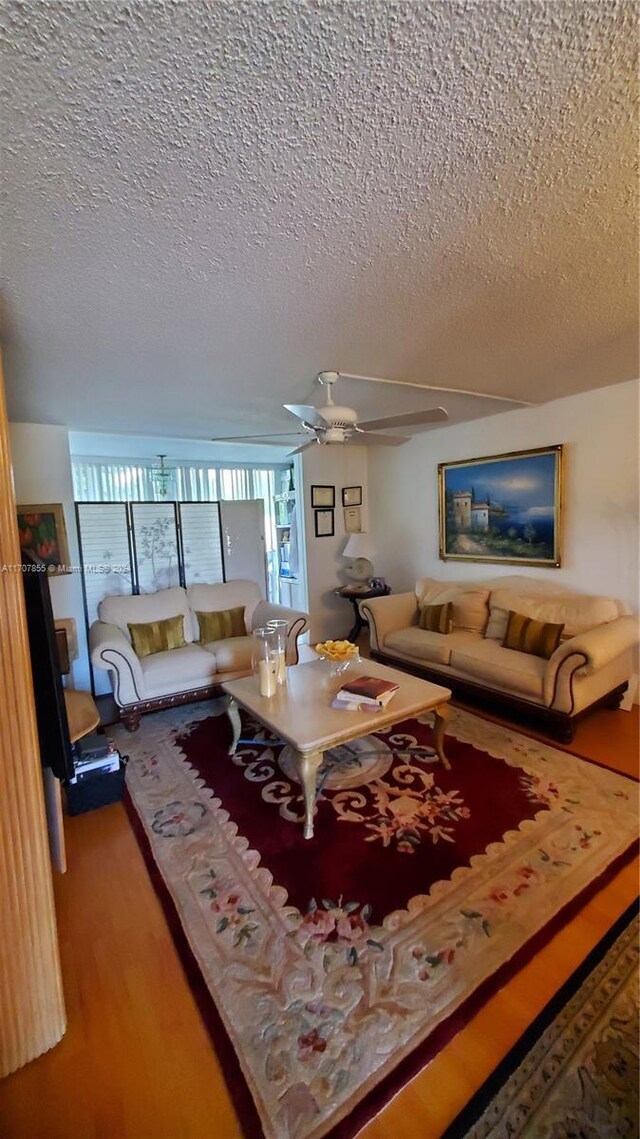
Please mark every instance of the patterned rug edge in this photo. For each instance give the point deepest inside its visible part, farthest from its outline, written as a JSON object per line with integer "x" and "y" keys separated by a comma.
{"x": 532, "y": 734}
{"x": 226, "y": 1055}
{"x": 392, "y": 1084}
{"x": 472, "y": 1112}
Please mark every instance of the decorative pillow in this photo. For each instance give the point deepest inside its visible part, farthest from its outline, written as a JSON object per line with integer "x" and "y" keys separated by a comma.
{"x": 470, "y": 608}
{"x": 529, "y": 636}
{"x": 157, "y": 636}
{"x": 436, "y": 618}
{"x": 577, "y": 612}
{"x": 221, "y": 624}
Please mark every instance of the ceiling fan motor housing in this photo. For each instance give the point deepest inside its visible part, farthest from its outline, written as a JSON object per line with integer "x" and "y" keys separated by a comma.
{"x": 341, "y": 423}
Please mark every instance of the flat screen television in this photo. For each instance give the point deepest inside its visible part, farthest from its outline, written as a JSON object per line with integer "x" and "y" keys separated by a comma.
{"x": 51, "y": 711}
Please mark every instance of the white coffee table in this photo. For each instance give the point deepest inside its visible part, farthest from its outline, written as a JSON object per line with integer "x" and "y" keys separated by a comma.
{"x": 301, "y": 714}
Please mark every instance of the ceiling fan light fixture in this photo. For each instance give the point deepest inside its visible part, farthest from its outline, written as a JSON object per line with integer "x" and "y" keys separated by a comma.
{"x": 338, "y": 434}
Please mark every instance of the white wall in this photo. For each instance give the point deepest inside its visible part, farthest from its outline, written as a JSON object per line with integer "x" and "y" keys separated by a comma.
{"x": 599, "y": 430}
{"x": 600, "y": 551}
{"x": 336, "y": 466}
{"x": 42, "y": 474}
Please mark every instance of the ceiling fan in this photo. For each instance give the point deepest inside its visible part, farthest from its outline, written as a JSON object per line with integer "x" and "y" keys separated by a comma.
{"x": 334, "y": 423}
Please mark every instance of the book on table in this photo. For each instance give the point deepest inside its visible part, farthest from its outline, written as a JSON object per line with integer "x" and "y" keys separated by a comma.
{"x": 368, "y": 690}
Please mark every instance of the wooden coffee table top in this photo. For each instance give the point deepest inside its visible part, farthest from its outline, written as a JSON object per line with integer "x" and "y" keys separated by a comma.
{"x": 301, "y": 711}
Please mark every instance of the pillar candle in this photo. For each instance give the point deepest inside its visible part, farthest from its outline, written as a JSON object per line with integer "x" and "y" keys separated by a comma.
{"x": 267, "y": 677}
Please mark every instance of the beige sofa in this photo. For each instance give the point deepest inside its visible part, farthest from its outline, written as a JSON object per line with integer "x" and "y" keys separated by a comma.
{"x": 592, "y": 664}
{"x": 194, "y": 671}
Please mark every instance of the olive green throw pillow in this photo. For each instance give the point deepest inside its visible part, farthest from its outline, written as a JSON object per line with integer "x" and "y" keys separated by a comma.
{"x": 157, "y": 636}
{"x": 436, "y": 618}
{"x": 221, "y": 624}
{"x": 528, "y": 636}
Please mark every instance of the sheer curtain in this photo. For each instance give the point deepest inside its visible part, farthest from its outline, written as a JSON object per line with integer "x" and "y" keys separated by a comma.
{"x": 130, "y": 480}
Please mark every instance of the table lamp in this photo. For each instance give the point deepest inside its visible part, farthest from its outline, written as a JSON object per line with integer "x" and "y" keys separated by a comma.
{"x": 358, "y": 550}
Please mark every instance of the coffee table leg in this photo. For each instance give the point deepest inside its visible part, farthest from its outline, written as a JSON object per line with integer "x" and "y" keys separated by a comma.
{"x": 308, "y": 764}
{"x": 234, "y": 716}
{"x": 441, "y": 716}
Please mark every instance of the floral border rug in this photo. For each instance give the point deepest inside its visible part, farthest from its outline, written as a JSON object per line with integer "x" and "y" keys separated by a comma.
{"x": 331, "y": 1006}
{"x": 575, "y": 1070}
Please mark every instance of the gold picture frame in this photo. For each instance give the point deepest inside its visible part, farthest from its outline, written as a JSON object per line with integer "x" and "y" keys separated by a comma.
{"x": 43, "y": 536}
{"x": 505, "y": 509}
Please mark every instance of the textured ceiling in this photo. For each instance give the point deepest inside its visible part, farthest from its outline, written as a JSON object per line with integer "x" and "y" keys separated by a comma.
{"x": 206, "y": 203}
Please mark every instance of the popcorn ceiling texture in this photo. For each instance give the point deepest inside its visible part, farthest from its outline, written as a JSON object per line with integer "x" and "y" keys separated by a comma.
{"x": 206, "y": 203}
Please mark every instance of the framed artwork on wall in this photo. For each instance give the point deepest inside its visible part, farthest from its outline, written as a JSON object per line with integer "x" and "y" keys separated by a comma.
{"x": 352, "y": 519}
{"x": 503, "y": 508}
{"x": 352, "y": 496}
{"x": 43, "y": 537}
{"x": 322, "y": 496}
{"x": 324, "y": 526}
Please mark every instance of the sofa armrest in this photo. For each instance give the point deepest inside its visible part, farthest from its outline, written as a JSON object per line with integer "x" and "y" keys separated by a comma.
{"x": 109, "y": 648}
{"x": 588, "y": 653}
{"x": 386, "y": 614}
{"x": 298, "y": 623}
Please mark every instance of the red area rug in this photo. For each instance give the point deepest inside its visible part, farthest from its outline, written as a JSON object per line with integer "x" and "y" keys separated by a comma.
{"x": 330, "y": 970}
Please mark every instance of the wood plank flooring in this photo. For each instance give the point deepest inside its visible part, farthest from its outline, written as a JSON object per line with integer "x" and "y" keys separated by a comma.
{"x": 136, "y": 1061}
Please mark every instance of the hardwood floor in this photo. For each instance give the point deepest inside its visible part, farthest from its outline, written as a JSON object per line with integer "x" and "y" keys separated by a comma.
{"x": 136, "y": 1061}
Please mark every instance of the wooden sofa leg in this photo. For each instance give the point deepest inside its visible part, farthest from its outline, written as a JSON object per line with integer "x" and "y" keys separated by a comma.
{"x": 131, "y": 720}
{"x": 561, "y": 729}
{"x": 564, "y": 733}
{"x": 614, "y": 699}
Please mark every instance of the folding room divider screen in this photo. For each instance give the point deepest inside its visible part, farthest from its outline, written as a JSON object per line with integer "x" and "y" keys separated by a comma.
{"x": 138, "y": 547}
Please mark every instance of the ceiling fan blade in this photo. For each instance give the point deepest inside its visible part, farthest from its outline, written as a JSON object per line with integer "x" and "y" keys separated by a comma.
{"x": 370, "y": 437}
{"x": 410, "y": 419}
{"x": 311, "y": 443}
{"x": 249, "y": 438}
{"x": 306, "y": 414}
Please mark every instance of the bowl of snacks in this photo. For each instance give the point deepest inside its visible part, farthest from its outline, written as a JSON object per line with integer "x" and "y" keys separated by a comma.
{"x": 339, "y": 654}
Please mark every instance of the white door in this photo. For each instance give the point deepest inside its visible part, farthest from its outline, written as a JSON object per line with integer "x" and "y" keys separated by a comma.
{"x": 243, "y": 541}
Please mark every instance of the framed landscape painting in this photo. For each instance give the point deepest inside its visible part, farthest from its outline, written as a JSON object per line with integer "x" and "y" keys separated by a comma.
{"x": 43, "y": 536}
{"x": 503, "y": 508}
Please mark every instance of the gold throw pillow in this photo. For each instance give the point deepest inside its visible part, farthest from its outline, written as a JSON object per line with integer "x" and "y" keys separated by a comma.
{"x": 436, "y": 618}
{"x": 157, "y": 636}
{"x": 221, "y": 624}
{"x": 539, "y": 638}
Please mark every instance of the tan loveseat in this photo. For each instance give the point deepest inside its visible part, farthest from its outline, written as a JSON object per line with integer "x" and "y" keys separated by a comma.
{"x": 592, "y": 664}
{"x": 191, "y": 672}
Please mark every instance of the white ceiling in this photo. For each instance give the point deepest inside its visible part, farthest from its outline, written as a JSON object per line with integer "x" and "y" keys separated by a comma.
{"x": 207, "y": 203}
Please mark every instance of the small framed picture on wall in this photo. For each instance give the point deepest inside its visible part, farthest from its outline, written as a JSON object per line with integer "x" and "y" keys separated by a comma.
{"x": 322, "y": 496}
{"x": 43, "y": 537}
{"x": 352, "y": 520}
{"x": 324, "y": 524}
{"x": 352, "y": 496}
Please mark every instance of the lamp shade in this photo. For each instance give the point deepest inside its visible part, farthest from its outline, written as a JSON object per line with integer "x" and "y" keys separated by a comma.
{"x": 358, "y": 546}
{"x": 358, "y": 550}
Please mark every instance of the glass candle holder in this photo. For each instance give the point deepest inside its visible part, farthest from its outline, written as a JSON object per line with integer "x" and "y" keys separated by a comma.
{"x": 280, "y": 627}
{"x": 264, "y": 659}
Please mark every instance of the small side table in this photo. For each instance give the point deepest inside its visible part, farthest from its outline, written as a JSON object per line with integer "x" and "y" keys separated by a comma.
{"x": 354, "y": 596}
